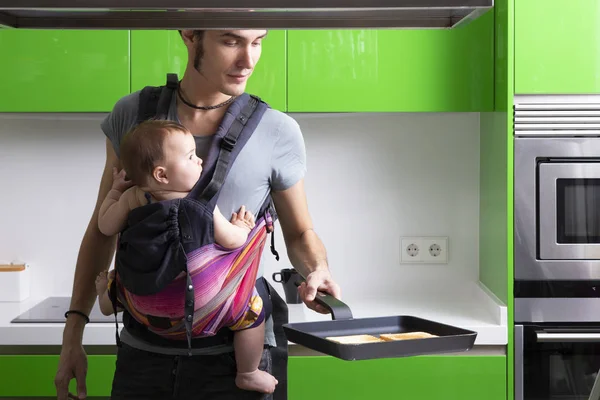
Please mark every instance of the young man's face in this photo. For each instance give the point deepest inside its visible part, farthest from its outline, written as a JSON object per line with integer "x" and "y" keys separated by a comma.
{"x": 226, "y": 58}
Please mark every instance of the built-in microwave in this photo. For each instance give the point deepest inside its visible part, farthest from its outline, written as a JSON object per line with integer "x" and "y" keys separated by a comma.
{"x": 557, "y": 188}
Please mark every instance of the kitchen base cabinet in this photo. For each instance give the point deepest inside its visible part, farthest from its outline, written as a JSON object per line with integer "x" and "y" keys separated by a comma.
{"x": 154, "y": 53}
{"x": 414, "y": 378}
{"x": 33, "y": 375}
{"x": 63, "y": 70}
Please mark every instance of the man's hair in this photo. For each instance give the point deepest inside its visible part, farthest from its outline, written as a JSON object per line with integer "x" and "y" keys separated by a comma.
{"x": 199, "y": 35}
{"x": 142, "y": 148}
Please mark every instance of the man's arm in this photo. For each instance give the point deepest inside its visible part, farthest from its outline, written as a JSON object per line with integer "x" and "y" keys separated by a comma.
{"x": 95, "y": 254}
{"x": 304, "y": 248}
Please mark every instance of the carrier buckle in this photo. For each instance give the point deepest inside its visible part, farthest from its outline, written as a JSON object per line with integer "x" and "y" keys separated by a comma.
{"x": 228, "y": 143}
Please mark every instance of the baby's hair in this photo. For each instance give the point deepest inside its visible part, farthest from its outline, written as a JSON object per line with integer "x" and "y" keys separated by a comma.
{"x": 142, "y": 147}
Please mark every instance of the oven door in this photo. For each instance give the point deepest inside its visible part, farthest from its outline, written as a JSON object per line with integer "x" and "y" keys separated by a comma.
{"x": 569, "y": 210}
{"x": 557, "y": 362}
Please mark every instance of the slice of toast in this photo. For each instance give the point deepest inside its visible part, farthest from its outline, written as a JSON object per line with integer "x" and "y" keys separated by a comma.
{"x": 390, "y": 337}
{"x": 354, "y": 339}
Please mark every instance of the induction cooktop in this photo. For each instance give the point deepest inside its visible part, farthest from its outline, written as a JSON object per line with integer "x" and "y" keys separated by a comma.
{"x": 52, "y": 310}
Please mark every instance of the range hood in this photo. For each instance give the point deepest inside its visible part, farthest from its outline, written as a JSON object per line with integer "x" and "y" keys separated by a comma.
{"x": 239, "y": 14}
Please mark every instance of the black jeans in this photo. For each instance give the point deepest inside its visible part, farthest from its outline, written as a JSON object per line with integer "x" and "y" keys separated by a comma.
{"x": 144, "y": 375}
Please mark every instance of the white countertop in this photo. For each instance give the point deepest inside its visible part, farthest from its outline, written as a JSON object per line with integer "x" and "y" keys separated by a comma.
{"x": 468, "y": 305}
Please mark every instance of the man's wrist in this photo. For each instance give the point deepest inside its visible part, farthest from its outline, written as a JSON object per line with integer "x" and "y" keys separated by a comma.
{"x": 321, "y": 266}
{"x": 74, "y": 327}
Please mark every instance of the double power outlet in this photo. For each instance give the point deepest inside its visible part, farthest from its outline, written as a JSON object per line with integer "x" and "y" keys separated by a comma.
{"x": 424, "y": 250}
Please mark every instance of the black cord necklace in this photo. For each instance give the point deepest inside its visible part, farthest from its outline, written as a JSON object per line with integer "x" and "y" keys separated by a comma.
{"x": 187, "y": 103}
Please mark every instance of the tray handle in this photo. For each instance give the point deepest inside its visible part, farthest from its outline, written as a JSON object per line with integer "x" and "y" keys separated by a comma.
{"x": 337, "y": 308}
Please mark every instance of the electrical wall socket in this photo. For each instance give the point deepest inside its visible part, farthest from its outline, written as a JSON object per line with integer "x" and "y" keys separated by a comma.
{"x": 424, "y": 250}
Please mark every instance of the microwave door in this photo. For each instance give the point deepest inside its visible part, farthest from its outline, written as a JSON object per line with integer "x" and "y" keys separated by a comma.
{"x": 569, "y": 211}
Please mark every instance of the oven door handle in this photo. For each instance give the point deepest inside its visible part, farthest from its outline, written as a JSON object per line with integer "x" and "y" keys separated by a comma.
{"x": 569, "y": 337}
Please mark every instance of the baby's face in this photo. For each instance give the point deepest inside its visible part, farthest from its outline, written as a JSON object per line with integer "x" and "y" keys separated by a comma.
{"x": 182, "y": 164}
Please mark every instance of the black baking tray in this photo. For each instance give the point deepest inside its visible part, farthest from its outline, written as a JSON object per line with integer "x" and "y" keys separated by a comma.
{"x": 450, "y": 339}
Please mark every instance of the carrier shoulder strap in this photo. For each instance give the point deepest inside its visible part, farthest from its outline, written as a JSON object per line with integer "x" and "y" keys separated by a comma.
{"x": 228, "y": 143}
{"x": 155, "y": 101}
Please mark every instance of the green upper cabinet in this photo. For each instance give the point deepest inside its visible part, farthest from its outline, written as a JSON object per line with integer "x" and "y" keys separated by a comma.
{"x": 156, "y": 53}
{"x": 63, "y": 70}
{"x": 392, "y": 70}
{"x": 557, "y": 46}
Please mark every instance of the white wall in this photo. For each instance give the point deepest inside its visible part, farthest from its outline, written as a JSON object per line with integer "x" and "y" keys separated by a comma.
{"x": 372, "y": 178}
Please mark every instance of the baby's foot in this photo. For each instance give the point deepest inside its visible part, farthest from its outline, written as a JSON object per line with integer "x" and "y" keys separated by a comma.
{"x": 101, "y": 283}
{"x": 257, "y": 381}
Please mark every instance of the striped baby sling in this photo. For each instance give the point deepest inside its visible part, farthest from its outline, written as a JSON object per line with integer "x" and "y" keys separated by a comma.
{"x": 170, "y": 275}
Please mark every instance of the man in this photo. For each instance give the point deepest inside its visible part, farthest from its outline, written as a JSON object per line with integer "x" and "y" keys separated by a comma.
{"x": 273, "y": 161}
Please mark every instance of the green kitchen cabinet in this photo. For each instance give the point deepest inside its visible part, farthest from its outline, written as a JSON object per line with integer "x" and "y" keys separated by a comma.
{"x": 154, "y": 53}
{"x": 30, "y": 376}
{"x": 557, "y": 47}
{"x": 63, "y": 70}
{"x": 414, "y": 378}
{"x": 386, "y": 70}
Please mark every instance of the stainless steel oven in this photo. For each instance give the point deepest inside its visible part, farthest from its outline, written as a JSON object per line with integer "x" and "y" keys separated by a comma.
{"x": 557, "y": 362}
{"x": 557, "y": 340}
{"x": 557, "y": 247}
{"x": 557, "y": 187}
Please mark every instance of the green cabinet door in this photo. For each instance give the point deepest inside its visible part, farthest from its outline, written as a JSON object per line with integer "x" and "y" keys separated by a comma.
{"x": 392, "y": 70}
{"x": 557, "y": 46}
{"x": 413, "y": 378}
{"x": 156, "y": 53}
{"x": 63, "y": 70}
{"x": 31, "y": 376}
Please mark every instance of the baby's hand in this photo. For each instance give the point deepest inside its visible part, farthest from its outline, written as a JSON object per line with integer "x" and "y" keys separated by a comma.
{"x": 244, "y": 219}
{"x": 119, "y": 181}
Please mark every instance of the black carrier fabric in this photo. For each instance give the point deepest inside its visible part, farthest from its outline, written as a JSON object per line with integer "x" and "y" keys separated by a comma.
{"x": 152, "y": 248}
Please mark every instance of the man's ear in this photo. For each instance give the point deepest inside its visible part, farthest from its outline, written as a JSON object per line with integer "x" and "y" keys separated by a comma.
{"x": 160, "y": 175}
{"x": 188, "y": 36}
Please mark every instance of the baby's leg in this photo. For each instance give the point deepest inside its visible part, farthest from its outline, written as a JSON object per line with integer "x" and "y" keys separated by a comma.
{"x": 102, "y": 290}
{"x": 248, "y": 346}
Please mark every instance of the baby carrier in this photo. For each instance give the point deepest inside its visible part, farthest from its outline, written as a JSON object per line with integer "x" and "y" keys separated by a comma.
{"x": 171, "y": 276}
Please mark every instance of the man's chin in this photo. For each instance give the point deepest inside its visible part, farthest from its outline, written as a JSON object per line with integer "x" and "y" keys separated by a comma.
{"x": 234, "y": 90}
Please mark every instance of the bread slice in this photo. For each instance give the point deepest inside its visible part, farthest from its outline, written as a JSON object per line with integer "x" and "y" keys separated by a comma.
{"x": 354, "y": 339}
{"x": 390, "y": 337}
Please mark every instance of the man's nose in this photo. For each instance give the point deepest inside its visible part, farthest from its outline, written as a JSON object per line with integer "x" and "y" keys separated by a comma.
{"x": 246, "y": 60}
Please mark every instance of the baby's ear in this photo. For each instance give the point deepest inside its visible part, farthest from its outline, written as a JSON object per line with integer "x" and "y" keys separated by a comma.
{"x": 160, "y": 175}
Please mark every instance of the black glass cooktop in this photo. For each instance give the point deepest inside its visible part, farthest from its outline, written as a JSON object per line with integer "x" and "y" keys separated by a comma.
{"x": 52, "y": 310}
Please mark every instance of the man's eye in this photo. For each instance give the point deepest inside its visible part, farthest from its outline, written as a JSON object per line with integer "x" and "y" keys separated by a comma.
{"x": 230, "y": 43}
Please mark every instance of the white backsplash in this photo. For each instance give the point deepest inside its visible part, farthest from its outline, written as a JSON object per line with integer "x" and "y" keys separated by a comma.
{"x": 372, "y": 178}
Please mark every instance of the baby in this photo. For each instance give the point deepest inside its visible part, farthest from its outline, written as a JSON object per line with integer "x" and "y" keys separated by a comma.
{"x": 160, "y": 160}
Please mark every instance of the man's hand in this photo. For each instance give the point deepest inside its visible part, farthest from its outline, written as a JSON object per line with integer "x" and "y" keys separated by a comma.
{"x": 120, "y": 182}
{"x": 72, "y": 364}
{"x": 320, "y": 280}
